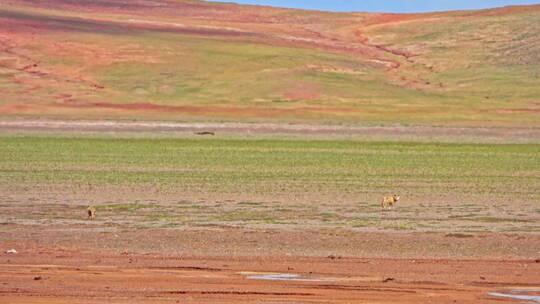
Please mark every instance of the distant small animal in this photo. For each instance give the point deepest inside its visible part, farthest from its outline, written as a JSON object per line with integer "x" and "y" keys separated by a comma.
{"x": 91, "y": 212}
{"x": 389, "y": 201}
{"x": 205, "y": 133}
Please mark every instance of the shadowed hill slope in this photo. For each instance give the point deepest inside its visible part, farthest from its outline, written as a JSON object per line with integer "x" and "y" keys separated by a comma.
{"x": 192, "y": 60}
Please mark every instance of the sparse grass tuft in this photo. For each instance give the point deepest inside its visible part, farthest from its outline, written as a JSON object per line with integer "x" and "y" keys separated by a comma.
{"x": 399, "y": 226}
{"x": 129, "y": 207}
{"x": 490, "y": 219}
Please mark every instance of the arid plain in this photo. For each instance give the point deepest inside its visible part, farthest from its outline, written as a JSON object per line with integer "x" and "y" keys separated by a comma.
{"x": 238, "y": 154}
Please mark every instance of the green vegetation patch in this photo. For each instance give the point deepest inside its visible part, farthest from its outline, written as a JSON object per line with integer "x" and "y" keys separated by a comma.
{"x": 274, "y": 166}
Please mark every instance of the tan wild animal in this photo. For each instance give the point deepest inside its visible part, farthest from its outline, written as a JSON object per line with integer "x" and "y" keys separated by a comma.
{"x": 91, "y": 212}
{"x": 389, "y": 201}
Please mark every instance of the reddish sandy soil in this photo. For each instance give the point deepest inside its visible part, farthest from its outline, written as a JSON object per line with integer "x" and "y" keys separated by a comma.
{"x": 123, "y": 261}
{"x": 50, "y": 274}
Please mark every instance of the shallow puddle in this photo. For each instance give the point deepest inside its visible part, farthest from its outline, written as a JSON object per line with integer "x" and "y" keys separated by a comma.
{"x": 523, "y": 295}
{"x": 280, "y": 277}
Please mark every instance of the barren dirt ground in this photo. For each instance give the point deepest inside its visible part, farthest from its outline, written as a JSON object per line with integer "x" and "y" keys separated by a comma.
{"x": 156, "y": 128}
{"x": 55, "y": 276}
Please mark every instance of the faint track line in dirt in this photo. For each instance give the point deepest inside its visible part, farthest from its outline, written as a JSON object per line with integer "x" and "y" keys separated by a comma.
{"x": 187, "y": 268}
{"x": 483, "y": 134}
{"x": 240, "y": 293}
{"x": 364, "y": 40}
{"x": 31, "y": 68}
{"x": 363, "y": 288}
{"x": 388, "y": 19}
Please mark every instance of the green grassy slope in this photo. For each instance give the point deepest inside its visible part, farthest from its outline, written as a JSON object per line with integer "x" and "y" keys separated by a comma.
{"x": 194, "y": 60}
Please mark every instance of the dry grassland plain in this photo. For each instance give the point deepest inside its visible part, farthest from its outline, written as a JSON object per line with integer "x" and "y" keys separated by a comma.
{"x": 309, "y": 119}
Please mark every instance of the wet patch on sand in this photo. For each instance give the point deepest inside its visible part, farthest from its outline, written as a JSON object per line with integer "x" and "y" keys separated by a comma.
{"x": 294, "y": 277}
{"x": 531, "y": 295}
{"x": 273, "y": 276}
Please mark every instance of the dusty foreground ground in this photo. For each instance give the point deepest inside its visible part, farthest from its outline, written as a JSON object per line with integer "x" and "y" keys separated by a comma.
{"x": 170, "y": 266}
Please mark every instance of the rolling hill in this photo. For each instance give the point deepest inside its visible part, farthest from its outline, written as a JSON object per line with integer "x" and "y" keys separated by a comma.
{"x": 194, "y": 60}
